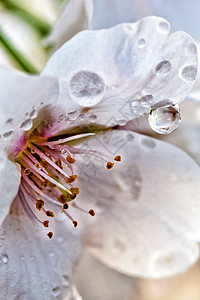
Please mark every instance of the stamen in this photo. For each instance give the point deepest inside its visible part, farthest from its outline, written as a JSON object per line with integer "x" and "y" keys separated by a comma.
{"x": 50, "y": 234}
{"x": 68, "y": 139}
{"x": 62, "y": 199}
{"x": 70, "y": 159}
{"x": 39, "y": 204}
{"x": 46, "y": 223}
{"x": 48, "y": 175}
{"x": 50, "y": 214}
{"x": 65, "y": 206}
{"x": 118, "y": 158}
{"x": 71, "y": 179}
{"x": 28, "y": 210}
{"x": 91, "y": 212}
{"x": 109, "y": 165}
{"x": 41, "y": 154}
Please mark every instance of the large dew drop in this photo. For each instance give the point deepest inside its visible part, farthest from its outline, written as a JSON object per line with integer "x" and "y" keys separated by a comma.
{"x": 164, "y": 117}
{"x": 86, "y": 88}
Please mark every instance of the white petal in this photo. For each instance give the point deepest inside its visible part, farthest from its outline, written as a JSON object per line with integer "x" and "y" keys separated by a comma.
{"x": 147, "y": 207}
{"x": 10, "y": 176}
{"x": 32, "y": 266}
{"x": 22, "y": 97}
{"x": 75, "y": 17}
{"x": 120, "y": 72}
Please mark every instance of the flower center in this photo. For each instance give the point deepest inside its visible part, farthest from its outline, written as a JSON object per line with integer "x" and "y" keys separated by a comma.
{"x": 48, "y": 180}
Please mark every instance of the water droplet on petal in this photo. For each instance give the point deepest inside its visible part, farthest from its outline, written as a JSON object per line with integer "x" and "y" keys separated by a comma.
{"x": 33, "y": 114}
{"x": 4, "y": 258}
{"x": 141, "y": 43}
{"x": 59, "y": 239}
{"x": 72, "y": 116}
{"x": 189, "y": 73}
{"x": 93, "y": 118}
{"x": 164, "y": 117}
{"x": 26, "y": 125}
{"x": 10, "y": 120}
{"x": 51, "y": 254}
{"x": 163, "y": 67}
{"x": 7, "y": 134}
{"x": 87, "y": 88}
{"x": 163, "y": 27}
{"x": 56, "y": 291}
{"x": 65, "y": 280}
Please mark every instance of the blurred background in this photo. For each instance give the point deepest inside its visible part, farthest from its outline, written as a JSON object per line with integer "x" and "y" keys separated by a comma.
{"x": 30, "y": 32}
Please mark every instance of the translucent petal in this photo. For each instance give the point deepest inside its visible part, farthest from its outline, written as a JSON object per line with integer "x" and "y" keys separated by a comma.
{"x": 24, "y": 40}
{"x": 120, "y": 72}
{"x": 147, "y": 207}
{"x": 10, "y": 176}
{"x": 75, "y": 17}
{"x": 32, "y": 266}
{"x": 22, "y": 97}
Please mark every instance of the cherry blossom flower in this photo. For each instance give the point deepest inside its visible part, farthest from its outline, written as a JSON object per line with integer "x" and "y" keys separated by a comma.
{"x": 59, "y": 136}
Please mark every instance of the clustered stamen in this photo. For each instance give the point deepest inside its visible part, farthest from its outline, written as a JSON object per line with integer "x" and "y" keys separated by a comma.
{"x": 48, "y": 178}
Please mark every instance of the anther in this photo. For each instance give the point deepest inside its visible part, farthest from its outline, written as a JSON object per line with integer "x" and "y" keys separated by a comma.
{"x": 50, "y": 234}
{"x": 59, "y": 163}
{"x": 75, "y": 223}
{"x": 27, "y": 171}
{"x": 74, "y": 190}
{"x": 49, "y": 213}
{"x": 65, "y": 206}
{"x": 109, "y": 165}
{"x": 91, "y": 212}
{"x": 70, "y": 159}
{"x": 118, "y": 158}
{"x": 46, "y": 223}
{"x": 62, "y": 199}
{"x": 39, "y": 204}
{"x": 71, "y": 178}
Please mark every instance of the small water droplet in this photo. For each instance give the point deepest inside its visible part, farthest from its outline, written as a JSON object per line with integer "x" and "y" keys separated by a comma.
{"x": 93, "y": 118}
{"x": 33, "y": 114}
{"x": 191, "y": 49}
{"x": 163, "y": 27}
{"x": 65, "y": 280}
{"x": 7, "y": 134}
{"x": 122, "y": 122}
{"x": 189, "y": 73}
{"x": 63, "y": 151}
{"x": 164, "y": 117}
{"x": 2, "y": 236}
{"x": 72, "y": 116}
{"x": 51, "y": 254}
{"x": 163, "y": 67}
{"x": 22, "y": 258}
{"x": 59, "y": 239}
{"x": 149, "y": 143}
{"x": 10, "y": 120}
{"x": 45, "y": 286}
{"x": 4, "y": 258}
{"x": 114, "y": 87}
{"x": 41, "y": 103}
{"x": 141, "y": 43}
{"x": 82, "y": 117}
{"x": 86, "y": 88}
{"x": 26, "y": 125}
{"x": 56, "y": 291}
